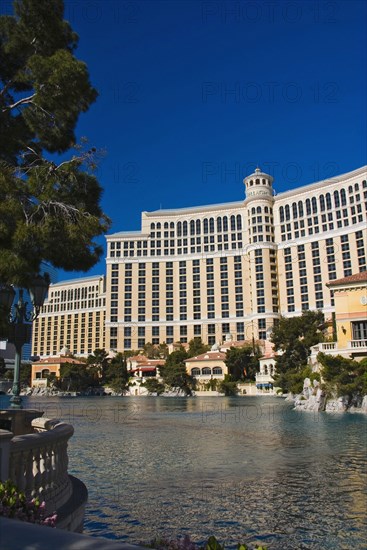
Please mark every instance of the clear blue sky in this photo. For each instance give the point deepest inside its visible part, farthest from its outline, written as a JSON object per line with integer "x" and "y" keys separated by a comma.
{"x": 195, "y": 94}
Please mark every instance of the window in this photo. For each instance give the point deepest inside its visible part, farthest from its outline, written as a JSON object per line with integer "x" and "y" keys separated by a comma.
{"x": 359, "y": 330}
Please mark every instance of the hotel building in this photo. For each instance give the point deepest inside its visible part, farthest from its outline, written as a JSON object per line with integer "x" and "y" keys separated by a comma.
{"x": 224, "y": 269}
{"x": 72, "y": 317}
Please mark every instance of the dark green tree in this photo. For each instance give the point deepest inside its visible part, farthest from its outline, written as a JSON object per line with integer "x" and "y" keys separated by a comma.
{"x": 43, "y": 90}
{"x": 343, "y": 377}
{"x": 152, "y": 351}
{"x": 294, "y": 337}
{"x": 243, "y": 362}
{"x": 174, "y": 372}
{"x": 154, "y": 386}
{"x": 116, "y": 375}
{"x": 75, "y": 377}
{"x": 99, "y": 360}
{"x": 196, "y": 347}
{"x": 228, "y": 386}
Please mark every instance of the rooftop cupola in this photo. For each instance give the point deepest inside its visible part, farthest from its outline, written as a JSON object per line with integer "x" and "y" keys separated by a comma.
{"x": 258, "y": 185}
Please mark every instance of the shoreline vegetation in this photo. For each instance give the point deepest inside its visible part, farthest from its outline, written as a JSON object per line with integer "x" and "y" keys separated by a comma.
{"x": 311, "y": 399}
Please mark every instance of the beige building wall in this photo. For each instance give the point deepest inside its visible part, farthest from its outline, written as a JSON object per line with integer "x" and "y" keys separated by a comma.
{"x": 222, "y": 269}
{"x": 351, "y": 312}
{"x": 72, "y": 317}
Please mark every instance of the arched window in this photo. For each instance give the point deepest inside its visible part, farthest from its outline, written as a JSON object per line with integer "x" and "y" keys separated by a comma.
{"x": 225, "y": 223}
{"x": 172, "y": 225}
{"x": 308, "y": 207}
{"x": 314, "y": 205}
{"x": 258, "y": 209}
{"x": 265, "y": 369}
{"x": 328, "y": 201}
{"x": 294, "y": 211}
{"x": 184, "y": 229}
{"x": 350, "y": 189}
{"x": 206, "y": 370}
{"x": 266, "y": 209}
{"x": 300, "y": 209}
{"x": 264, "y": 182}
{"x": 198, "y": 227}
{"x": 165, "y": 225}
{"x": 192, "y": 227}
{"x": 152, "y": 226}
{"x": 158, "y": 225}
{"x": 195, "y": 372}
{"x": 217, "y": 370}
{"x": 336, "y": 199}
{"x": 233, "y": 223}
{"x": 257, "y": 181}
{"x": 219, "y": 225}
{"x": 206, "y": 225}
{"x": 322, "y": 203}
{"x": 356, "y": 187}
{"x": 287, "y": 212}
{"x": 179, "y": 229}
{"x": 211, "y": 225}
{"x": 239, "y": 222}
{"x": 281, "y": 213}
{"x": 253, "y": 210}
{"x": 343, "y": 197}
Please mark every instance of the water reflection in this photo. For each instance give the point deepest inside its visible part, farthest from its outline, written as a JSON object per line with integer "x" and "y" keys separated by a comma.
{"x": 245, "y": 469}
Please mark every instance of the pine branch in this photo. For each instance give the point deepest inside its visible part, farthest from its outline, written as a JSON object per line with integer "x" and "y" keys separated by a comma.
{"x": 22, "y": 101}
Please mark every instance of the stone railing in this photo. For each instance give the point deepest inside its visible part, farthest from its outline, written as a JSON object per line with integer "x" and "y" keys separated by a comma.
{"x": 358, "y": 344}
{"x": 38, "y": 464}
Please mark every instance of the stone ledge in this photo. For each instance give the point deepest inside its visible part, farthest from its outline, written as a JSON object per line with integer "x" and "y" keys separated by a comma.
{"x": 18, "y": 535}
{"x": 70, "y": 515}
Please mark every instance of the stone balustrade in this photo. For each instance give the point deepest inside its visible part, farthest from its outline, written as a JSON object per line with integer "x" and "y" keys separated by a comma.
{"x": 38, "y": 464}
{"x": 358, "y": 344}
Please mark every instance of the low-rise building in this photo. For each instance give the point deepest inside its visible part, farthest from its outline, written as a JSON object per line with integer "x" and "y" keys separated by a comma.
{"x": 41, "y": 370}
{"x": 350, "y": 297}
{"x": 206, "y": 367}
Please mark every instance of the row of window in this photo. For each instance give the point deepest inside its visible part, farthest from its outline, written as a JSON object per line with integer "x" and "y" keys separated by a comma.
{"x": 323, "y": 202}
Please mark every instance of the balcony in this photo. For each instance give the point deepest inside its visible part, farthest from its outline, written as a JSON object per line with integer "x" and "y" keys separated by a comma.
{"x": 324, "y": 347}
{"x": 36, "y": 460}
{"x": 358, "y": 344}
{"x": 353, "y": 349}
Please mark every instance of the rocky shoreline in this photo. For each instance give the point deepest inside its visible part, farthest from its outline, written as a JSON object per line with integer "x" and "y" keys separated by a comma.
{"x": 314, "y": 399}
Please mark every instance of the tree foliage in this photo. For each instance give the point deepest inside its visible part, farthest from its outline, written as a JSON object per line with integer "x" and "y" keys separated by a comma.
{"x": 243, "y": 362}
{"x": 116, "y": 375}
{"x": 174, "y": 372}
{"x": 342, "y": 376}
{"x": 154, "y": 386}
{"x": 294, "y": 337}
{"x": 196, "y": 347}
{"x": 43, "y": 90}
{"x": 228, "y": 386}
{"x": 152, "y": 351}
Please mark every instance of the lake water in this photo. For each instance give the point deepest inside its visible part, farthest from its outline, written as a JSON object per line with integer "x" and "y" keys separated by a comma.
{"x": 243, "y": 469}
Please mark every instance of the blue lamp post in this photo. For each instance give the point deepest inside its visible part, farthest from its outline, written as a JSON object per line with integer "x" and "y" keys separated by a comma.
{"x": 20, "y": 329}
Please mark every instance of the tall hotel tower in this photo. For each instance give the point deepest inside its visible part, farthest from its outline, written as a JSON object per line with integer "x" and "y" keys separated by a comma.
{"x": 229, "y": 269}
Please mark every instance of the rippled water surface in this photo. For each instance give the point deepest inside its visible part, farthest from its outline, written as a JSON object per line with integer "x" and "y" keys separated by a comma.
{"x": 244, "y": 469}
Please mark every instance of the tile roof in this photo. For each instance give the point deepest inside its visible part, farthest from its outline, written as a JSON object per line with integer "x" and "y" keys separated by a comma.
{"x": 58, "y": 360}
{"x": 356, "y": 278}
{"x": 208, "y": 356}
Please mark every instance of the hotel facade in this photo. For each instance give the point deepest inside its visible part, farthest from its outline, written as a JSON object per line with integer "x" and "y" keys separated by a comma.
{"x": 218, "y": 271}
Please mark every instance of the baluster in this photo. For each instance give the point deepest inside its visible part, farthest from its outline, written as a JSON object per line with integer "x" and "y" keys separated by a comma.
{"x": 36, "y": 471}
{"x": 29, "y": 479}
